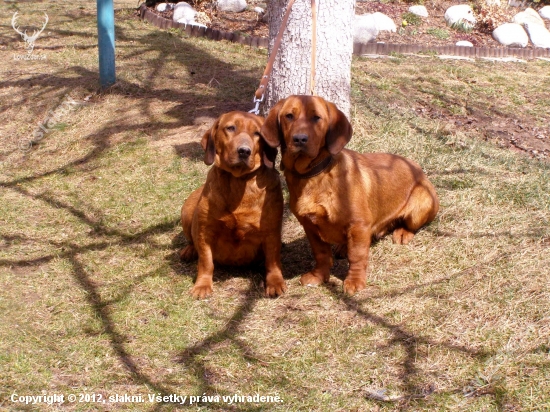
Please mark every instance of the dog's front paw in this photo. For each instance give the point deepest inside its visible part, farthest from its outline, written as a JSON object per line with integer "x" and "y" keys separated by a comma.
{"x": 201, "y": 291}
{"x": 189, "y": 253}
{"x": 354, "y": 285}
{"x": 309, "y": 279}
{"x": 275, "y": 288}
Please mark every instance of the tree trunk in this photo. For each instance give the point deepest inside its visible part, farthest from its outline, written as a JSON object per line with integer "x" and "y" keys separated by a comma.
{"x": 292, "y": 67}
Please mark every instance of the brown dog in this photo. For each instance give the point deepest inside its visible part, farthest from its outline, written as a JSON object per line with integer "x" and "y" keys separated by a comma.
{"x": 340, "y": 196}
{"x": 235, "y": 218}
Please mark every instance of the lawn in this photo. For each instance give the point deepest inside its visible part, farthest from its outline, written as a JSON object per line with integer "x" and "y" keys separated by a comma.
{"x": 95, "y": 303}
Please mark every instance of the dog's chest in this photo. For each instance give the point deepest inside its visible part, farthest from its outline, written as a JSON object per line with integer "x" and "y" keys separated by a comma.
{"x": 238, "y": 225}
{"x": 241, "y": 222}
{"x": 315, "y": 211}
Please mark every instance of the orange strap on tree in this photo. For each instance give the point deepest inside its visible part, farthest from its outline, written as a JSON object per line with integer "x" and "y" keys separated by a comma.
{"x": 260, "y": 91}
{"x": 313, "y": 46}
{"x": 259, "y": 94}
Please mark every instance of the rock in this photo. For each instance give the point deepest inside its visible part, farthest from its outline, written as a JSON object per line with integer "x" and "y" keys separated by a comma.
{"x": 233, "y": 6}
{"x": 384, "y": 23}
{"x": 464, "y": 43}
{"x": 164, "y": 7}
{"x": 545, "y": 12}
{"x": 461, "y": 13}
{"x": 492, "y": 2}
{"x": 419, "y": 11}
{"x": 511, "y": 34}
{"x": 259, "y": 10}
{"x": 184, "y": 13}
{"x": 528, "y": 16}
{"x": 539, "y": 35}
{"x": 364, "y": 28}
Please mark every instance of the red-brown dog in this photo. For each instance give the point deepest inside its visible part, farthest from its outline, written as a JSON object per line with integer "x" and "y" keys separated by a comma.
{"x": 235, "y": 218}
{"x": 340, "y": 196}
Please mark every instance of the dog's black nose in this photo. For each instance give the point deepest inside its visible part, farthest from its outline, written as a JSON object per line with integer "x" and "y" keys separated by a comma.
{"x": 244, "y": 152}
{"x": 299, "y": 139}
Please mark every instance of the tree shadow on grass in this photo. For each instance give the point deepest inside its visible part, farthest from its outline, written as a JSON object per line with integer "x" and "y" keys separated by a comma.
{"x": 195, "y": 98}
{"x": 102, "y": 236}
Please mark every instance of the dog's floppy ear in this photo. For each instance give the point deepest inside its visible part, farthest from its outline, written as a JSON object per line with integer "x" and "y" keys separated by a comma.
{"x": 270, "y": 154}
{"x": 208, "y": 144}
{"x": 271, "y": 130}
{"x": 340, "y": 131}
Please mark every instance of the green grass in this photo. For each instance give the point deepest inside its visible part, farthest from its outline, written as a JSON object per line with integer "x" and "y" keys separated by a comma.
{"x": 411, "y": 18}
{"x": 439, "y": 33}
{"x": 93, "y": 299}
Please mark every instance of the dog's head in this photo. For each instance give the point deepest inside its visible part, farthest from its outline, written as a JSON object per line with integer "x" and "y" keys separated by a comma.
{"x": 235, "y": 144}
{"x": 304, "y": 126}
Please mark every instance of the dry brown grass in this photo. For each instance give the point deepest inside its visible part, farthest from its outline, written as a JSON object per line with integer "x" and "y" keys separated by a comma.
{"x": 93, "y": 299}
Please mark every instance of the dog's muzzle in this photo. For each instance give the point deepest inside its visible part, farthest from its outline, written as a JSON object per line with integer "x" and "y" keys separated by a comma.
{"x": 299, "y": 140}
{"x": 244, "y": 152}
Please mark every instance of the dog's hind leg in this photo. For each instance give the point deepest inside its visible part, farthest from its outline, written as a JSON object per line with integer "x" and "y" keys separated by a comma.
{"x": 420, "y": 210}
{"x": 189, "y": 252}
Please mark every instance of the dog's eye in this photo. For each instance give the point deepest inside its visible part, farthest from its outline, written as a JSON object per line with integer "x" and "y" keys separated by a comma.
{"x": 289, "y": 116}
{"x": 316, "y": 118}
{"x": 230, "y": 128}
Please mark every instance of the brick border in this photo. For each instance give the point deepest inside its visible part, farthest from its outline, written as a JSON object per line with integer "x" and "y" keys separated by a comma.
{"x": 358, "y": 48}
{"x": 471, "y": 52}
{"x": 195, "y": 31}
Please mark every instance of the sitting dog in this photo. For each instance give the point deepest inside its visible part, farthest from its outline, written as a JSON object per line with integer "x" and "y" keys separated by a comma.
{"x": 235, "y": 218}
{"x": 340, "y": 196}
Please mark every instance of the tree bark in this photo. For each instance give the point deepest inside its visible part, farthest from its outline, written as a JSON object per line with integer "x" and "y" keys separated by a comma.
{"x": 292, "y": 67}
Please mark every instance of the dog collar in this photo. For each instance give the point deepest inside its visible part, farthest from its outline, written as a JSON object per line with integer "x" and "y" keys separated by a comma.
{"x": 315, "y": 170}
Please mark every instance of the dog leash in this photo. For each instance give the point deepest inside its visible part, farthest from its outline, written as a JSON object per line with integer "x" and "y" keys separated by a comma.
{"x": 260, "y": 92}
{"x": 313, "y": 46}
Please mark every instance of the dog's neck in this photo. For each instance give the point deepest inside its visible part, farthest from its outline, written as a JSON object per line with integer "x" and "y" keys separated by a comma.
{"x": 315, "y": 169}
{"x": 247, "y": 176}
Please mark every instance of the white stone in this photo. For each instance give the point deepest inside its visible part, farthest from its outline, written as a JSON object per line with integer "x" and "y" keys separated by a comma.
{"x": 493, "y": 2}
{"x": 259, "y": 10}
{"x": 528, "y": 16}
{"x": 458, "y": 13}
{"x": 384, "y": 23}
{"x": 464, "y": 43}
{"x": 545, "y": 12}
{"x": 164, "y": 6}
{"x": 539, "y": 35}
{"x": 511, "y": 34}
{"x": 419, "y": 11}
{"x": 193, "y": 23}
{"x": 515, "y": 3}
{"x": 234, "y": 6}
{"x": 364, "y": 28}
{"x": 184, "y": 13}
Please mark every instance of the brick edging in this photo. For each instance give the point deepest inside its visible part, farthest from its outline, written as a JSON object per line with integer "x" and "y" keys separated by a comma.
{"x": 463, "y": 51}
{"x": 358, "y": 48}
{"x": 195, "y": 31}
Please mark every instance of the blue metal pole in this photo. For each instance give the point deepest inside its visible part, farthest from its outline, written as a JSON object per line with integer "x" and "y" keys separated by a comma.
{"x": 106, "y": 42}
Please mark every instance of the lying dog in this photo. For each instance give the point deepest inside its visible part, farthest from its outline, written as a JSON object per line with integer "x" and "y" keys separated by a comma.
{"x": 340, "y": 196}
{"x": 235, "y": 218}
